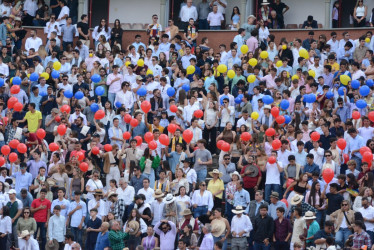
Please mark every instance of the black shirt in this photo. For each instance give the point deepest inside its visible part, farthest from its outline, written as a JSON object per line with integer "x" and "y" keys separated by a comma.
{"x": 84, "y": 27}
{"x": 334, "y": 201}
{"x": 263, "y": 228}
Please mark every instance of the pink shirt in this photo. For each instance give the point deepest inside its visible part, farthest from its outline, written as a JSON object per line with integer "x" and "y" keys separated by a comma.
{"x": 270, "y": 81}
{"x": 115, "y": 86}
{"x": 252, "y": 44}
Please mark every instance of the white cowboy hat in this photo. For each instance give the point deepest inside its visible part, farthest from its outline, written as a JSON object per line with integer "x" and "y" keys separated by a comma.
{"x": 24, "y": 234}
{"x": 158, "y": 194}
{"x": 218, "y": 226}
{"x": 169, "y": 199}
{"x": 309, "y": 215}
{"x": 265, "y": 2}
{"x": 297, "y": 199}
{"x": 186, "y": 212}
{"x": 215, "y": 171}
{"x": 238, "y": 210}
{"x": 235, "y": 173}
{"x": 111, "y": 194}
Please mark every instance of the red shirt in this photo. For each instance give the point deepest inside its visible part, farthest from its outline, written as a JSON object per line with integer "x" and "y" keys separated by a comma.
{"x": 250, "y": 182}
{"x": 41, "y": 215}
{"x": 32, "y": 138}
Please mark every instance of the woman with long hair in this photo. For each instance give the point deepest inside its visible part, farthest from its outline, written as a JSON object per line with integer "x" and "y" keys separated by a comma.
{"x": 183, "y": 197}
{"x": 148, "y": 165}
{"x": 179, "y": 181}
{"x": 227, "y": 135}
{"x": 229, "y": 194}
{"x": 189, "y": 236}
{"x": 299, "y": 187}
{"x": 101, "y": 29}
{"x": 235, "y": 18}
{"x": 210, "y": 129}
{"x": 61, "y": 178}
{"x": 162, "y": 60}
{"x": 116, "y": 33}
{"x": 364, "y": 192}
{"x": 314, "y": 198}
{"x": 359, "y": 14}
{"x": 149, "y": 242}
{"x": 5, "y": 227}
{"x": 134, "y": 240}
{"x": 261, "y": 160}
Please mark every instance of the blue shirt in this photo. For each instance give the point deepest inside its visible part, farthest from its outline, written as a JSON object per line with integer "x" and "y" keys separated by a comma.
{"x": 241, "y": 198}
{"x": 140, "y": 130}
{"x": 136, "y": 45}
{"x": 208, "y": 81}
{"x": 23, "y": 180}
{"x": 174, "y": 160}
{"x": 273, "y": 209}
{"x": 102, "y": 241}
{"x": 36, "y": 100}
{"x": 77, "y": 216}
{"x": 287, "y": 68}
{"x": 311, "y": 168}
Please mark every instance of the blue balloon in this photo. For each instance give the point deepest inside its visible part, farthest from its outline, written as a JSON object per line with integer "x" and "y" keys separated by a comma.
{"x": 141, "y": 92}
{"x": 1, "y": 82}
{"x": 118, "y": 104}
{"x": 284, "y": 104}
{"x": 238, "y": 100}
{"x": 34, "y": 77}
{"x": 186, "y": 87}
{"x": 364, "y": 90}
{"x": 355, "y": 84}
{"x": 100, "y": 91}
{"x": 79, "y": 95}
{"x": 309, "y": 98}
{"x": 170, "y": 91}
{"x": 361, "y": 104}
{"x": 94, "y": 107}
{"x": 288, "y": 119}
{"x": 370, "y": 82}
{"x": 43, "y": 93}
{"x": 68, "y": 94}
{"x": 341, "y": 90}
{"x": 55, "y": 74}
{"x": 241, "y": 96}
{"x": 267, "y": 99}
{"x": 16, "y": 80}
{"x": 329, "y": 95}
{"x": 223, "y": 97}
{"x": 95, "y": 78}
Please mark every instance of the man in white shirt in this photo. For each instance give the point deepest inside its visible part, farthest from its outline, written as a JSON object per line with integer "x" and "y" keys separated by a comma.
{"x": 5, "y": 9}
{"x": 196, "y": 131}
{"x": 241, "y": 226}
{"x": 367, "y": 212}
{"x": 52, "y": 25}
{"x": 77, "y": 114}
{"x": 215, "y": 19}
{"x": 156, "y": 69}
{"x": 29, "y": 8}
{"x": 366, "y": 131}
{"x": 147, "y": 191}
{"x": 114, "y": 82}
{"x": 26, "y": 242}
{"x": 4, "y": 68}
{"x": 130, "y": 76}
{"x": 273, "y": 173}
{"x": 157, "y": 207}
{"x": 318, "y": 153}
{"x": 56, "y": 227}
{"x": 99, "y": 204}
{"x": 33, "y": 41}
{"x": 295, "y": 51}
{"x": 189, "y": 110}
{"x": 333, "y": 42}
{"x": 356, "y": 71}
{"x": 186, "y": 58}
{"x": 239, "y": 38}
{"x": 150, "y": 85}
{"x": 125, "y": 191}
{"x": 64, "y": 13}
{"x": 125, "y": 97}
{"x": 188, "y": 11}
{"x": 115, "y": 133}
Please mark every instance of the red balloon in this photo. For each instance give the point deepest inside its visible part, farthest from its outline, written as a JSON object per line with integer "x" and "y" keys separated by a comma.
{"x": 275, "y": 111}
{"x": 127, "y": 118}
{"x": 219, "y": 144}
{"x": 195, "y": 148}
{"x": 13, "y": 100}
{"x": 364, "y": 149}
{"x": 108, "y": 147}
{"x": 40, "y": 133}
{"x": 172, "y": 128}
{"x": 164, "y": 140}
{"x": 5, "y": 120}
{"x": 341, "y": 143}
{"x": 148, "y": 137}
{"x": 61, "y": 129}
{"x": 245, "y": 136}
{"x": 145, "y": 106}
{"x": 65, "y": 108}
{"x": 53, "y": 147}
{"x": 225, "y": 147}
{"x": 315, "y": 136}
{"x": 2, "y": 161}
{"x": 280, "y": 119}
{"x": 270, "y": 132}
{"x": 95, "y": 150}
{"x": 14, "y": 143}
{"x": 15, "y": 89}
{"x": 100, "y": 114}
{"x": 371, "y": 116}
{"x": 276, "y": 144}
{"x": 272, "y": 159}
{"x": 285, "y": 202}
{"x": 21, "y": 148}
{"x": 83, "y": 167}
{"x": 187, "y": 135}
{"x": 289, "y": 182}
{"x": 173, "y": 108}
{"x": 80, "y": 156}
{"x": 152, "y": 145}
{"x": 198, "y": 113}
{"x": 134, "y": 122}
{"x": 356, "y": 115}
{"x": 18, "y": 107}
{"x": 345, "y": 158}
{"x": 327, "y": 175}
{"x": 126, "y": 135}
{"x": 57, "y": 118}
{"x": 139, "y": 140}
{"x": 13, "y": 157}
{"x": 5, "y": 150}
{"x": 367, "y": 157}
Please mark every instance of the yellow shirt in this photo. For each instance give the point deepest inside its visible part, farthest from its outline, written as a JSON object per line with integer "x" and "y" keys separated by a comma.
{"x": 216, "y": 186}
{"x": 152, "y": 127}
{"x": 33, "y": 120}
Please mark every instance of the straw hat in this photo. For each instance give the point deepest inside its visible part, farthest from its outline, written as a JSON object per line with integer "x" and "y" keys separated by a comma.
{"x": 218, "y": 226}
{"x": 98, "y": 192}
{"x": 186, "y": 212}
{"x": 52, "y": 245}
{"x": 134, "y": 227}
{"x": 169, "y": 199}
{"x": 215, "y": 171}
{"x": 297, "y": 199}
{"x": 158, "y": 194}
{"x": 274, "y": 195}
{"x": 111, "y": 194}
{"x": 235, "y": 173}
{"x": 309, "y": 215}
{"x": 238, "y": 210}
{"x": 267, "y": 107}
{"x": 51, "y": 182}
{"x": 251, "y": 171}
{"x": 24, "y": 234}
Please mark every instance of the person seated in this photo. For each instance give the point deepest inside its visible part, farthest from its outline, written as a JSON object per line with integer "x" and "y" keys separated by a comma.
{"x": 310, "y": 23}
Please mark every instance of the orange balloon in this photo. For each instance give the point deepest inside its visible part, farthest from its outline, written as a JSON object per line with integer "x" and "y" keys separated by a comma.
{"x": 5, "y": 150}
{"x": 126, "y": 135}
{"x": 11, "y": 101}
{"x": 100, "y": 114}
{"x": 127, "y": 118}
{"x": 148, "y": 137}
{"x": 173, "y": 108}
{"x": 152, "y": 145}
{"x": 61, "y": 129}
{"x": 22, "y": 148}
{"x": 14, "y": 143}
{"x": 139, "y": 140}
{"x": 18, "y": 107}
{"x": 164, "y": 139}
{"x": 134, "y": 122}
{"x": 328, "y": 175}
{"x": 83, "y": 167}
{"x": 53, "y": 147}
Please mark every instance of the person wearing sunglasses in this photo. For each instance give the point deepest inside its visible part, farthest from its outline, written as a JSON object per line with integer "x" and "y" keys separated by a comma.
{"x": 343, "y": 222}
{"x": 321, "y": 236}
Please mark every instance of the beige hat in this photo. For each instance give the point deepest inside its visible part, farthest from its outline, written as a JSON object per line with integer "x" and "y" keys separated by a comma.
{"x": 24, "y": 234}
{"x": 52, "y": 245}
{"x": 235, "y": 173}
{"x": 51, "y": 182}
{"x": 265, "y": 2}
{"x": 218, "y": 227}
{"x": 134, "y": 227}
{"x": 215, "y": 171}
{"x": 139, "y": 78}
{"x": 111, "y": 193}
{"x": 55, "y": 110}
{"x": 274, "y": 195}
{"x": 297, "y": 199}
{"x": 180, "y": 109}
{"x": 309, "y": 215}
{"x": 186, "y": 212}
{"x": 238, "y": 210}
{"x": 169, "y": 199}
{"x": 158, "y": 194}
{"x": 98, "y": 192}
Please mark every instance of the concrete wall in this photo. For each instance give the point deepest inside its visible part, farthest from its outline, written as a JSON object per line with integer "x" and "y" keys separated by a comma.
{"x": 300, "y": 9}
{"x": 133, "y": 11}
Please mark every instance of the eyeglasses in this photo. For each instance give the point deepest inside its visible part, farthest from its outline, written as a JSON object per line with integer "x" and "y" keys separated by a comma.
{"x": 96, "y": 176}
{"x": 227, "y": 159}
{"x": 327, "y": 155}
{"x": 344, "y": 205}
{"x": 203, "y": 185}
{"x": 26, "y": 212}
{"x": 64, "y": 79}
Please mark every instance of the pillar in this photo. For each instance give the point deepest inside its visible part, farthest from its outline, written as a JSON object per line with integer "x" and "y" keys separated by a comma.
{"x": 243, "y": 8}
{"x": 326, "y": 25}
{"x": 162, "y": 13}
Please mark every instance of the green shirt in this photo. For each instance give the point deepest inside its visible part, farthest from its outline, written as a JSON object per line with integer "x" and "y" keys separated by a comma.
{"x": 116, "y": 239}
{"x": 313, "y": 228}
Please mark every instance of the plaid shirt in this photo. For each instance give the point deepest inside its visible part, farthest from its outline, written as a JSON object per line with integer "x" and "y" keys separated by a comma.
{"x": 119, "y": 209}
{"x": 361, "y": 239}
{"x": 116, "y": 239}
{"x": 305, "y": 207}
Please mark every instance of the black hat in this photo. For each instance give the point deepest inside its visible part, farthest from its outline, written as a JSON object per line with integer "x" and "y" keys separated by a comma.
{"x": 186, "y": 160}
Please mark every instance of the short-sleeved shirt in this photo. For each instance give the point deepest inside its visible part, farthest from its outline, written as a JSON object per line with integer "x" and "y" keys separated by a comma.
{"x": 84, "y": 28}
{"x": 204, "y": 156}
{"x": 33, "y": 120}
{"x": 41, "y": 215}
{"x": 334, "y": 202}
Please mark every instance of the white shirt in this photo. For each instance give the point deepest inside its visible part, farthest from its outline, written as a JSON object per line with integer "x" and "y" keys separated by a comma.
{"x": 130, "y": 78}
{"x": 156, "y": 69}
{"x": 57, "y": 228}
{"x": 241, "y": 224}
{"x": 64, "y": 11}
{"x": 358, "y": 74}
{"x": 150, "y": 87}
{"x": 186, "y": 60}
{"x": 318, "y": 156}
{"x": 65, "y": 202}
{"x": 6, "y": 9}
{"x": 188, "y": 112}
{"x": 148, "y": 194}
{"x": 50, "y": 27}
{"x": 93, "y": 185}
{"x": 31, "y": 244}
{"x": 221, "y": 9}
{"x": 205, "y": 200}
{"x": 75, "y": 116}
{"x": 31, "y": 6}
{"x": 4, "y": 69}
{"x": 5, "y": 224}
{"x": 126, "y": 195}
{"x": 215, "y": 19}
{"x": 226, "y": 116}
{"x": 272, "y": 173}
{"x": 157, "y": 209}
{"x": 101, "y": 210}
{"x": 366, "y": 133}
{"x": 368, "y": 213}
{"x": 334, "y": 45}
{"x": 188, "y": 12}
{"x": 127, "y": 99}
{"x": 191, "y": 175}
{"x": 33, "y": 43}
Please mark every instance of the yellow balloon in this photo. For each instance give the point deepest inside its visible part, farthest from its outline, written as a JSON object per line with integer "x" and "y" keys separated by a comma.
{"x": 222, "y": 68}
{"x": 279, "y": 63}
{"x": 90, "y": 55}
{"x": 11, "y": 80}
{"x": 264, "y": 54}
{"x": 367, "y": 40}
{"x": 127, "y": 63}
{"x": 231, "y": 74}
{"x": 304, "y": 53}
{"x": 149, "y": 72}
{"x": 57, "y": 65}
{"x": 255, "y": 115}
{"x": 295, "y": 77}
{"x": 312, "y": 73}
{"x": 251, "y": 78}
{"x": 252, "y": 62}
{"x": 244, "y": 49}
{"x": 140, "y": 63}
{"x": 190, "y": 70}
{"x": 28, "y": 76}
{"x": 288, "y": 74}
{"x": 284, "y": 47}
{"x": 344, "y": 79}
{"x": 45, "y": 75}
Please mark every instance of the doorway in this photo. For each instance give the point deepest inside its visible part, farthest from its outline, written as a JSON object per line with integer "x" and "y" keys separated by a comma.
{"x": 346, "y": 10}
{"x": 99, "y": 9}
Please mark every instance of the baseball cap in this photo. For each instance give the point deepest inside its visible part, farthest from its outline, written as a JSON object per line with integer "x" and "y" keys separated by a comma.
{"x": 12, "y": 191}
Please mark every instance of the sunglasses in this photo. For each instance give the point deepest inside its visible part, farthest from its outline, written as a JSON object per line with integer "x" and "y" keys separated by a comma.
{"x": 203, "y": 185}
{"x": 344, "y": 205}
{"x": 227, "y": 159}
{"x": 327, "y": 155}
{"x": 26, "y": 212}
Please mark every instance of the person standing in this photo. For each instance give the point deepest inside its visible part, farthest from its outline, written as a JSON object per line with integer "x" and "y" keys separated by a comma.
{"x": 114, "y": 81}
{"x": 68, "y": 31}
{"x": 203, "y": 11}
{"x": 280, "y": 8}
{"x": 221, "y": 4}
{"x": 84, "y": 31}
{"x": 93, "y": 229}
{"x": 367, "y": 212}
{"x": 241, "y": 226}
{"x": 117, "y": 236}
{"x": 215, "y": 19}
{"x": 77, "y": 214}
{"x": 202, "y": 158}
{"x": 263, "y": 229}
{"x": 282, "y": 230}
{"x": 57, "y": 228}
{"x": 102, "y": 241}
{"x": 187, "y": 12}
{"x": 15, "y": 211}
{"x": 167, "y": 231}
